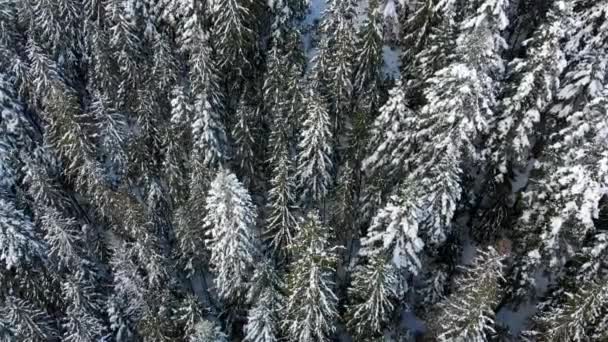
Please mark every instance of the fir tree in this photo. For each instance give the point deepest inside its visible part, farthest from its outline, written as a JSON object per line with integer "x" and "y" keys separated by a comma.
{"x": 244, "y": 142}
{"x": 468, "y": 313}
{"x": 24, "y": 322}
{"x": 576, "y": 318}
{"x": 206, "y": 331}
{"x": 536, "y": 79}
{"x": 390, "y": 138}
{"x": 265, "y": 295}
{"x": 556, "y": 202}
{"x": 281, "y": 220}
{"x": 394, "y": 232}
{"x": 373, "y": 292}
{"x": 314, "y": 162}
{"x": 231, "y": 216}
{"x": 311, "y": 303}
{"x": 368, "y": 62}
{"x": 208, "y": 132}
{"x": 232, "y": 30}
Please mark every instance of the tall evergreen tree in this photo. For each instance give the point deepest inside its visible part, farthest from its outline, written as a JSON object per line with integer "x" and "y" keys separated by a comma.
{"x": 373, "y": 293}
{"x": 468, "y": 313}
{"x": 310, "y": 309}
{"x": 314, "y": 157}
{"x": 233, "y": 244}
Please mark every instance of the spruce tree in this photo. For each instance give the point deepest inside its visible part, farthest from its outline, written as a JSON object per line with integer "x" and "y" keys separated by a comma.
{"x": 394, "y": 232}
{"x": 373, "y": 294}
{"x": 310, "y": 309}
{"x": 468, "y": 314}
{"x": 266, "y": 298}
{"x": 231, "y": 217}
{"x": 314, "y": 156}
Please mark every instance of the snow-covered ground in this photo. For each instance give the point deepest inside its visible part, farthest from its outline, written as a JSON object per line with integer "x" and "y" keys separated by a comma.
{"x": 315, "y": 15}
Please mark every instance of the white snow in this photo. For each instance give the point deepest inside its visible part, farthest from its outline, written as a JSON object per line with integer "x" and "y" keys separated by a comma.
{"x": 391, "y": 61}
{"x": 516, "y": 320}
{"x": 521, "y": 177}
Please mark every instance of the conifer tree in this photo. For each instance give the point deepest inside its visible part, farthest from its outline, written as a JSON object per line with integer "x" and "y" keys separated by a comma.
{"x": 232, "y": 30}
{"x": 24, "y": 322}
{"x": 468, "y": 314}
{"x": 368, "y": 63}
{"x": 207, "y": 331}
{"x": 281, "y": 222}
{"x": 564, "y": 199}
{"x": 536, "y": 79}
{"x": 208, "y": 132}
{"x": 233, "y": 245}
{"x": 265, "y": 295}
{"x": 334, "y": 68}
{"x": 244, "y": 142}
{"x": 314, "y": 161}
{"x": 373, "y": 293}
{"x": 310, "y": 308}
{"x": 390, "y": 138}
{"x": 394, "y": 232}
{"x": 577, "y": 318}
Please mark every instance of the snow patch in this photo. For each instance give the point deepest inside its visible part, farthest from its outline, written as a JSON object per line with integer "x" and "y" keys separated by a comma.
{"x": 391, "y": 61}
{"x": 412, "y": 323}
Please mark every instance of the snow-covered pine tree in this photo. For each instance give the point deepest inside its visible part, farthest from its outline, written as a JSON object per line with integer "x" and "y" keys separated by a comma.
{"x": 232, "y": 31}
{"x": 112, "y": 138}
{"x": 243, "y": 134}
{"x": 266, "y": 298}
{"x": 127, "y": 304}
{"x": 310, "y": 309}
{"x": 177, "y": 145}
{"x": 22, "y": 321}
{"x": 19, "y": 244}
{"x": 55, "y": 26}
{"x": 207, "y": 331}
{"x": 283, "y": 100}
{"x": 338, "y": 46}
{"x": 466, "y": 89}
{"x": 418, "y": 19}
{"x": 314, "y": 156}
{"x": 208, "y": 132}
{"x": 580, "y": 316}
{"x": 391, "y": 139}
{"x": 394, "y": 232}
{"x": 82, "y": 321}
{"x": 126, "y": 45}
{"x": 532, "y": 87}
{"x": 564, "y": 197}
{"x": 468, "y": 314}
{"x": 435, "y": 27}
{"x": 231, "y": 222}
{"x": 281, "y": 221}
{"x": 373, "y": 294}
{"x": 368, "y": 63}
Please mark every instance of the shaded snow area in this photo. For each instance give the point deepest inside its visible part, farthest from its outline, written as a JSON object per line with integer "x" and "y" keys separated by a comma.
{"x": 521, "y": 177}
{"x": 412, "y": 323}
{"x": 310, "y": 24}
{"x": 516, "y": 320}
{"x": 391, "y": 61}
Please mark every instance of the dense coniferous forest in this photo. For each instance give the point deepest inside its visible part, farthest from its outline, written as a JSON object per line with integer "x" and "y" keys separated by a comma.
{"x": 303, "y": 170}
